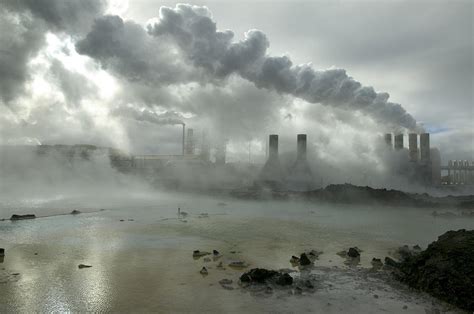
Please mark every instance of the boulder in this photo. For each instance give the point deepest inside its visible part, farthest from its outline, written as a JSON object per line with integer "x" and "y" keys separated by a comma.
{"x": 353, "y": 252}
{"x": 264, "y": 276}
{"x": 445, "y": 269}
{"x": 304, "y": 260}
{"x": 284, "y": 280}
{"x": 22, "y": 217}
{"x": 2, "y": 252}
{"x": 260, "y": 275}
{"x": 391, "y": 262}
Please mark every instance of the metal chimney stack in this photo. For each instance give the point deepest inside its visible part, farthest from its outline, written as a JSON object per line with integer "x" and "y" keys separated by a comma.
{"x": 301, "y": 146}
{"x": 425, "y": 147}
{"x": 273, "y": 147}
{"x": 272, "y": 173}
{"x": 388, "y": 139}
{"x": 300, "y": 177}
{"x": 398, "y": 141}
{"x": 413, "y": 146}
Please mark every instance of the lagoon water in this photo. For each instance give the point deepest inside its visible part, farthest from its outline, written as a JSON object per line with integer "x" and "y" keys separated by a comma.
{"x": 144, "y": 263}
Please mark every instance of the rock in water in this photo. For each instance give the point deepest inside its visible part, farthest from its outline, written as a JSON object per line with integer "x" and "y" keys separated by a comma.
{"x": 203, "y": 271}
{"x": 304, "y": 260}
{"x": 75, "y": 212}
{"x": 353, "y": 252}
{"x": 284, "y": 280}
{"x": 445, "y": 269}
{"x": 22, "y": 217}
{"x": 81, "y": 266}
{"x": 2, "y": 252}
{"x": 294, "y": 260}
{"x": 197, "y": 253}
{"x": 391, "y": 262}
{"x": 376, "y": 262}
{"x": 259, "y": 275}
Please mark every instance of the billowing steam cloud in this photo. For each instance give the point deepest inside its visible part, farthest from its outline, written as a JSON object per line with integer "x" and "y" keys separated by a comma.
{"x": 146, "y": 115}
{"x": 126, "y": 48}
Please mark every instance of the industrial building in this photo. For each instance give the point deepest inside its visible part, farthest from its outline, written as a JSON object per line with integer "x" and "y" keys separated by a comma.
{"x": 421, "y": 167}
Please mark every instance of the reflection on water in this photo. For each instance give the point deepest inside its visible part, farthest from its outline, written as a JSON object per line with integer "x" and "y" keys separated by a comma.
{"x": 145, "y": 261}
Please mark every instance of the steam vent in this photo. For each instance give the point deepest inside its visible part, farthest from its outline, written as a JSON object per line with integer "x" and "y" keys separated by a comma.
{"x": 272, "y": 174}
{"x": 300, "y": 177}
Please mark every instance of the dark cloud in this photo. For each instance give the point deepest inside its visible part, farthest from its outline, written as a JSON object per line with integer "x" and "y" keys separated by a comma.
{"x": 23, "y": 25}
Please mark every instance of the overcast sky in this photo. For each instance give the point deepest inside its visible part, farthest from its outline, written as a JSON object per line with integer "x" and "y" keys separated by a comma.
{"x": 71, "y": 83}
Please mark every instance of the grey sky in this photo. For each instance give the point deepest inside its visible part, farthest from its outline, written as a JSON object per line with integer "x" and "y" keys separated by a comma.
{"x": 420, "y": 52}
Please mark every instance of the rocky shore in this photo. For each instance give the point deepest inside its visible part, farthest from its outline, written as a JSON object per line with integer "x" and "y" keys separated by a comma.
{"x": 361, "y": 195}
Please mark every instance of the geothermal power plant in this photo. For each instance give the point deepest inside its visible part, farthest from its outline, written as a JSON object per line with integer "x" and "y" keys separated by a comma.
{"x": 418, "y": 162}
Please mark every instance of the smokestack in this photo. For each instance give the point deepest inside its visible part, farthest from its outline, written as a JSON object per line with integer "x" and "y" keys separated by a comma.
{"x": 272, "y": 174}
{"x": 398, "y": 141}
{"x": 388, "y": 139}
{"x": 301, "y": 146}
{"x": 184, "y": 129}
{"x": 413, "y": 146}
{"x": 190, "y": 142}
{"x": 300, "y": 177}
{"x": 273, "y": 146}
{"x": 425, "y": 147}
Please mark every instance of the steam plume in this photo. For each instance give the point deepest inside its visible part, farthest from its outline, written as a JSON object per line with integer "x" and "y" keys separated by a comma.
{"x": 193, "y": 30}
{"x": 146, "y": 115}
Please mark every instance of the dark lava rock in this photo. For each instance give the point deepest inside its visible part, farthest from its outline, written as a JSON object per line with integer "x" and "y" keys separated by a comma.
{"x": 215, "y": 252}
{"x": 376, "y": 262}
{"x": 294, "y": 260}
{"x": 197, "y": 253}
{"x": 284, "y": 280}
{"x": 2, "y": 252}
{"x": 259, "y": 275}
{"x": 445, "y": 269}
{"x": 391, "y": 262}
{"x": 22, "y": 217}
{"x": 304, "y": 260}
{"x": 353, "y": 252}
{"x": 80, "y": 266}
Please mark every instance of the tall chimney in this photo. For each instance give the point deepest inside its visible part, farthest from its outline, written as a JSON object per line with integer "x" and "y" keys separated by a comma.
{"x": 272, "y": 175}
{"x": 190, "y": 142}
{"x": 398, "y": 141}
{"x": 413, "y": 146}
{"x": 301, "y": 146}
{"x": 425, "y": 147}
{"x": 388, "y": 139}
{"x": 273, "y": 146}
